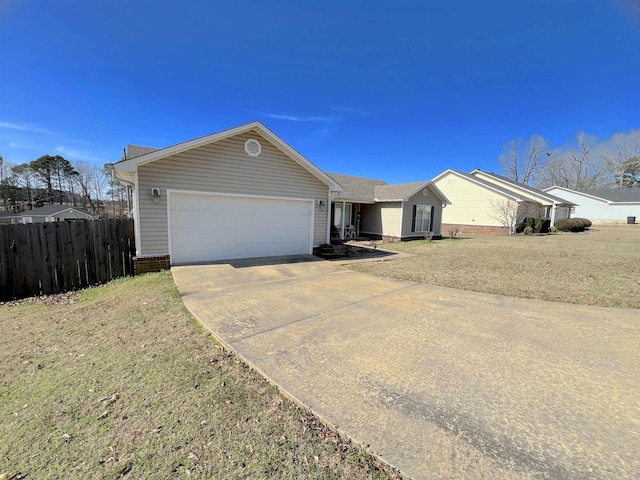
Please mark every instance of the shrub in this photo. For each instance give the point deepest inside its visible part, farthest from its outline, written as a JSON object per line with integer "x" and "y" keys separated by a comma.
{"x": 527, "y": 230}
{"x": 537, "y": 225}
{"x": 570, "y": 225}
{"x": 585, "y": 222}
{"x": 541, "y": 225}
{"x": 553, "y": 230}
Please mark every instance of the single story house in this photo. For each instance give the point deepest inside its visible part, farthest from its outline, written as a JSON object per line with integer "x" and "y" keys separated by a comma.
{"x": 8, "y": 218}
{"x": 238, "y": 193}
{"x": 48, "y": 213}
{"x": 367, "y": 206}
{"x": 611, "y": 205}
{"x": 477, "y": 196}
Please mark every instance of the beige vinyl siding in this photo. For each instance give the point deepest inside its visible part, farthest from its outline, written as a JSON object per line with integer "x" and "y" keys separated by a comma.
{"x": 420, "y": 199}
{"x": 391, "y": 215}
{"x": 470, "y": 202}
{"x": 223, "y": 167}
{"x": 517, "y": 190}
{"x": 381, "y": 219}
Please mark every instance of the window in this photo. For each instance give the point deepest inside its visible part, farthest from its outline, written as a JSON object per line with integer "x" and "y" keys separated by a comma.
{"x": 422, "y": 218}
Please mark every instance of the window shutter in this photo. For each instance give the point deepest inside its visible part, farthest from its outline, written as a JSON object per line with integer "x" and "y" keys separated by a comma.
{"x": 431, "y": 218}
{"x": 413, "y": 219}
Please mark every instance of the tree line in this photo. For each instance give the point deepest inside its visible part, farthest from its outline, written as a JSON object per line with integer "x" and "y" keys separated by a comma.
{"x": 585, "y": 163}
{"x": 52, "y": 179}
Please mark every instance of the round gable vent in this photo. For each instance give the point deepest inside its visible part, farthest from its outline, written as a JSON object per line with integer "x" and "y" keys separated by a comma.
{"x": 425, "y": 192}
{"x": 252, "y": 147}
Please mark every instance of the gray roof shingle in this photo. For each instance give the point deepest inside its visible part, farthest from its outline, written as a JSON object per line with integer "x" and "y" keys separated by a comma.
{"x": 398, "y": 191}
{"x": 623, "y": 195}
{"x": 134, "y": 151}
{"x": 52, "y": 210}
{"x": 360, "y": 189}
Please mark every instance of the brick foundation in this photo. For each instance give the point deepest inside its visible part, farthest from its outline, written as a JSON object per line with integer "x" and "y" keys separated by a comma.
{"x": 474, "y": 229}
{"x": 151, "y": 264}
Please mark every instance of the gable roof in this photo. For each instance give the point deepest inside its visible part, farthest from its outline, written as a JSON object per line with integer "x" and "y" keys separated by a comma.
{"x": 527, "y": 188}
{"x": 402, "y": 191}
{"x": 485, "y": 184}
{"x": 372, "y": 190}
{"x": 607, "y": 195}
{"x": 48, "y": 210}
{"x": 357, "y": 189}
{"x": 126, "y": 168}
{"x": 616, "y": 195}
{"x": 8, "y": 214}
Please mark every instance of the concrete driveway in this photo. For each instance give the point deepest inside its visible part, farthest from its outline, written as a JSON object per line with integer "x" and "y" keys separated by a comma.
{"x": 440, "y": 383}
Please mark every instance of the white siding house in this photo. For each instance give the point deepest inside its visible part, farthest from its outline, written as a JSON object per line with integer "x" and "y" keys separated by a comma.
{"x": 602, "y": 206}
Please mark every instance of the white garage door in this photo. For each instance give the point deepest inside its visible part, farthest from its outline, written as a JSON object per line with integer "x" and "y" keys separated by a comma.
{"x": 205, "y": 228}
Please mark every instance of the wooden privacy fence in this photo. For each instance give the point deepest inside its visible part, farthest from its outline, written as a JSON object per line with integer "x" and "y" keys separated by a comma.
{"x": 44, "y": 258}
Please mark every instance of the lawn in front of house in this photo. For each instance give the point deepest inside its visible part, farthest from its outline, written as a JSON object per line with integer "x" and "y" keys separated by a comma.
{"x": 123, "y": 382}
{"x": 598, "y": 267}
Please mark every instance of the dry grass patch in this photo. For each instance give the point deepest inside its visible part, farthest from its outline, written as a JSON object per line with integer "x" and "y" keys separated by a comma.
{"x": 123, "y": 382}
{"x": 598, "y": 267}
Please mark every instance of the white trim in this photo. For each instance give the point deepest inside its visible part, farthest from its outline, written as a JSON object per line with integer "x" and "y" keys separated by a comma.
{"x": 310, "y": 201}
{"x": 151, "y": 255}
{"x": 136, "y": 214}
{"x": 252, "y": 141}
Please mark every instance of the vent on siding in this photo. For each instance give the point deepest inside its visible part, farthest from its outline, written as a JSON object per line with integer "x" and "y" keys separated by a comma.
{"x": 252, "y": 147}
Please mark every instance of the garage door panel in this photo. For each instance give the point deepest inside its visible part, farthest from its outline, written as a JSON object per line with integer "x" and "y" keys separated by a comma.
{"x": 213, "y": 227}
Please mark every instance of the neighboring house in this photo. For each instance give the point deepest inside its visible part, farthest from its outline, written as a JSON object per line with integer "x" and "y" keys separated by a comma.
{"x": 9, "y": 218}
{"x": 48, "y": 213}
{"x": 392, "y": 212}
{"x": 477, "y": 197}
{"x": 612, "y": 205}
{"x": 239, "y": 193}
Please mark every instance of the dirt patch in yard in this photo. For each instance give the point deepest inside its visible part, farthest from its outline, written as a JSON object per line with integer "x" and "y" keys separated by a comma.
{"x": 120, "y": 380}
{"x": 598, "y": 267}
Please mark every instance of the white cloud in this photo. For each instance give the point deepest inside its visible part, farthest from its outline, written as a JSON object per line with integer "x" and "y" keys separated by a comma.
{"x": 25, "y": 127}
{"x": 346, "y": 109}
{"x": 296, "y": 118}
{"x": 72, "y": 154}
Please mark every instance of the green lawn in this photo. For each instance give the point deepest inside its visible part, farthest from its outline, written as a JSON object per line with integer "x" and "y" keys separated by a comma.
{"x": 124, "y": 382}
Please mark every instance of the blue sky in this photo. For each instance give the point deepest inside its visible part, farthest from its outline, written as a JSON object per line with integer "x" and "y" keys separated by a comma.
{"x": 394, "y": 90}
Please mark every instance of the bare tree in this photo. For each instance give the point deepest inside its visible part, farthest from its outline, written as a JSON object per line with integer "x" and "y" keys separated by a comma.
{"x": 85, "y": 180}
{"x": 621, "y": 153}
{"x": 26, "y": 178}
{"x": 579, "y": 166}
{"x": 510, "y": 213}
{"x": 524, "y": 164}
